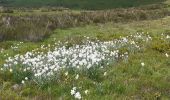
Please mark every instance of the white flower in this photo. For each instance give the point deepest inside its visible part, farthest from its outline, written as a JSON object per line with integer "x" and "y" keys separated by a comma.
{"x": 26, "y": 78}
{"x": 89, "y": 54}
{"x": 25, "y": 70}
{"x": 23, "y": 82}
{"x": 73, "y": 91}
{"x": 66, "y": 73}
{"x": 1, "y": 69}
{"x": 105, "y": 73}
{"x": 88, "y": 66}
{"x": 77, "y": 76}
{"x": 74, "y": 88}
{"x": 167, "y": 36}
{"x": 78, "y": 67}
{"x": 86, "y": 91}
{"x": 143, "y": 64}
{"x": 77, "y": 95}
{"x": 166, "y": 55}
{"x": 10, "y": 70}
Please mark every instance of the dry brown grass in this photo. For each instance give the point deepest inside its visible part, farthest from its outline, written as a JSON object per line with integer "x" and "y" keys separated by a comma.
{"x": 36, "y": 27}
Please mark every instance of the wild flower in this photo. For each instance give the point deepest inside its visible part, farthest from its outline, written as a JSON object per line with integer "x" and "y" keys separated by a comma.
{"x": 73, "y": 90}
{"x": 87, "y": 55}
{"x": 1, "y": 50}
{"x": 66, "y": 73}
{"x": 86, "y": 92}
{"x": 143, "y": 64}
{"x": 168, "y": 37}
{"x": 77, "y": 95}
{"x": 23, "y": 82}
{"x": 105, "y": 73}
{"x": 77, "y": 76}
{"x": 166, "y": 55}
{"x": 26, "y": 78}
{"x": 10, "y": 70}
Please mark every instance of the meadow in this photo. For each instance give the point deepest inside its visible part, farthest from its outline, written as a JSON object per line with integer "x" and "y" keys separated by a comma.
{"x": 53, "y": 53}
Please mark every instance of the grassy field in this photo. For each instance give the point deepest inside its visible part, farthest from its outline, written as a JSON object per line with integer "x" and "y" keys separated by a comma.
{"x": 121, "y": 54}
{"x": 81, "y": 4}
{"x": 122, "y": 80}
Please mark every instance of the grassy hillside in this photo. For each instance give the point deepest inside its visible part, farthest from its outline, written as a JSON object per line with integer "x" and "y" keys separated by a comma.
{"x": 52, "y": 53}
{"x": 80, "y": 4}
{"x": 123, "y": 79}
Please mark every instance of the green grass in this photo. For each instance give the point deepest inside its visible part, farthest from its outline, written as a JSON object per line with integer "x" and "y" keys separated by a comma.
{"x": 125, "y": 80}
{"x": 81, "y": 4}
{"x": 109, "y": 31}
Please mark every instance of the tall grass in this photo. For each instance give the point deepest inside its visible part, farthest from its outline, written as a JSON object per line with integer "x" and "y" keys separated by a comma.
{"x": 35, "y": 27}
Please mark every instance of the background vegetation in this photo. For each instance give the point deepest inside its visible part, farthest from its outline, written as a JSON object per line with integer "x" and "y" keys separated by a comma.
{"x": 80, "y": 4}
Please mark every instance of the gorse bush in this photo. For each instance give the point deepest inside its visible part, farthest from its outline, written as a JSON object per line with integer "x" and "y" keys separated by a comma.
{"x": 35, "y": 27}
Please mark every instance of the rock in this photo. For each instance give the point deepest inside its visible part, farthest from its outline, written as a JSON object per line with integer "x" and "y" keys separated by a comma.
{"x": 16, "y": 87}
